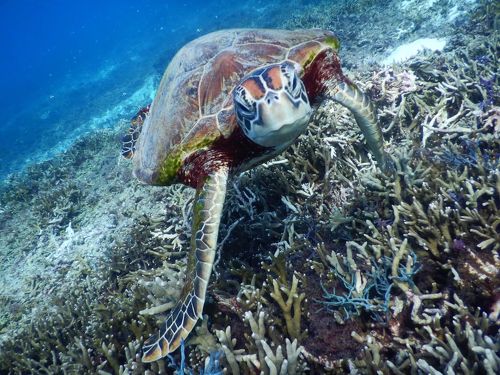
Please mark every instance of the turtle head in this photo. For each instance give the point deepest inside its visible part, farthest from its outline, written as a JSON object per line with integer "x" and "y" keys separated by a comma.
{"x": 271, "y": 104}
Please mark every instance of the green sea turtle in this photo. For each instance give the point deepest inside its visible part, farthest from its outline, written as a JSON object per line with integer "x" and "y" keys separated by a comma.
{"x": 227, "y": 102}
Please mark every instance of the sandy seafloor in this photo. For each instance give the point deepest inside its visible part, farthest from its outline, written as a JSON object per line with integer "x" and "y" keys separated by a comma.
{"x": 386, "y": 274}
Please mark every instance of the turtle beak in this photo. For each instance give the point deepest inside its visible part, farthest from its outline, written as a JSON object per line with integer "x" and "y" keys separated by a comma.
{"x": 281, "y": 119}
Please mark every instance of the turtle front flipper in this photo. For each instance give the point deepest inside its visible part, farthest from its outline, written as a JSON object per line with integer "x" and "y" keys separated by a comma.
{"x": 207, "y": 211}
{"x": 130, "y": 139}
{"x": 350, "y": 96}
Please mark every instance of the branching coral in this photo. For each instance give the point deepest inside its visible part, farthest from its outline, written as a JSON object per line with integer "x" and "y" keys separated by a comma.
{"x": 267, "y": 360}
{"x": 371, "y": 290}
{"x": 462, "y": 348}
{"x": 293, "y": 302}
{"x": 320, "y": 213}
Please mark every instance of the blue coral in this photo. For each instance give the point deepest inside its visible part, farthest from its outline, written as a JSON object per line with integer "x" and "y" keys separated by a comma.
{"x": 489, "y": 86}
{"x": 213, "y": 367}
{"x": 377, "y": 294}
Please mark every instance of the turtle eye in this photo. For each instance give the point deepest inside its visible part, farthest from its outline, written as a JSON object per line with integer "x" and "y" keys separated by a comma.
{"x": 294, "y": 84}
{"x": 303, "y": 93}
{"x": 245, "y": 106}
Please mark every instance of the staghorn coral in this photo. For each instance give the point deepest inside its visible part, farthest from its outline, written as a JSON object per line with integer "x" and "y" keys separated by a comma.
{"x": 463, "y": 347}
{"x": 266, "y": 361}
{"x": 293, "y": 301}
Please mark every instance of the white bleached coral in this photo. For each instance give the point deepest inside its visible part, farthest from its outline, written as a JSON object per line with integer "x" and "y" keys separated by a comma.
{"x": 409, "y": 50}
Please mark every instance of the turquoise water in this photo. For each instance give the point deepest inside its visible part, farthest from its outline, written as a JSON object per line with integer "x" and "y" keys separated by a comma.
{"x": 72, "y": 67}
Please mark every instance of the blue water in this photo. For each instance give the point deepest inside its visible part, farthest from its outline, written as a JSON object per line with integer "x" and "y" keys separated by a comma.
{"x": 70, "y": 67}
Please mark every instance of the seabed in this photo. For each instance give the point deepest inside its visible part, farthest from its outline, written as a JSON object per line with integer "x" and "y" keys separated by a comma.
{"x": 326, "y": 265}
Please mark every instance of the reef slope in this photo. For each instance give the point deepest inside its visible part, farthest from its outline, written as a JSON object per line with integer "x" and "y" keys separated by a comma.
{"x": 327, "y": 265}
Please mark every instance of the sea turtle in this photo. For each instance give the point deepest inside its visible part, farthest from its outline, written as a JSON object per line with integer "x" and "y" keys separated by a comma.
{"x": 227, "y": 102}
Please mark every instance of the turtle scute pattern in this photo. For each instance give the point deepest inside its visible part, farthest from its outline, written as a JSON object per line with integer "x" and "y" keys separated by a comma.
{"x": 129, "y": 140}
{"x": 209, "y": 201}
{"x": 198, "y": 83}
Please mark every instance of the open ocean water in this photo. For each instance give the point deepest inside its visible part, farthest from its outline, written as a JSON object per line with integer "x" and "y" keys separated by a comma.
{"x": 328, "y": 261}
{"x": 68, "y": 69}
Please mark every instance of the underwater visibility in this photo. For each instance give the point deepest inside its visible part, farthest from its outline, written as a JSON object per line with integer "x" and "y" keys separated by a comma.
{"x": 260, "y": 187}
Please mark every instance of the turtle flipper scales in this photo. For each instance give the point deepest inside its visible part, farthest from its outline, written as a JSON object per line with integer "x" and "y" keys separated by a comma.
{"x": 129, "y": 140}
{"x": 351, "y": 96}
{"x": 207, "y": 211}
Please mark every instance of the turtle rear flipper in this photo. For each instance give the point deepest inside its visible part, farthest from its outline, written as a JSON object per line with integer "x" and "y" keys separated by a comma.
{"x": 207, "y": 211}
{"x": 350, "y": 96}
{"x": 129, "y": 140}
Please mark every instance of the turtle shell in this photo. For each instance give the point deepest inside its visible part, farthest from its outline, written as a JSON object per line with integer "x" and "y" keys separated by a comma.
{"x": 193, "y": 105}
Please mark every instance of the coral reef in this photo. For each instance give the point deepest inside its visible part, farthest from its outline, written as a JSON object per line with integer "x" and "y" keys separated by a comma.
{"x": 266, "y": 361}
{"x": 325, "y": 264}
